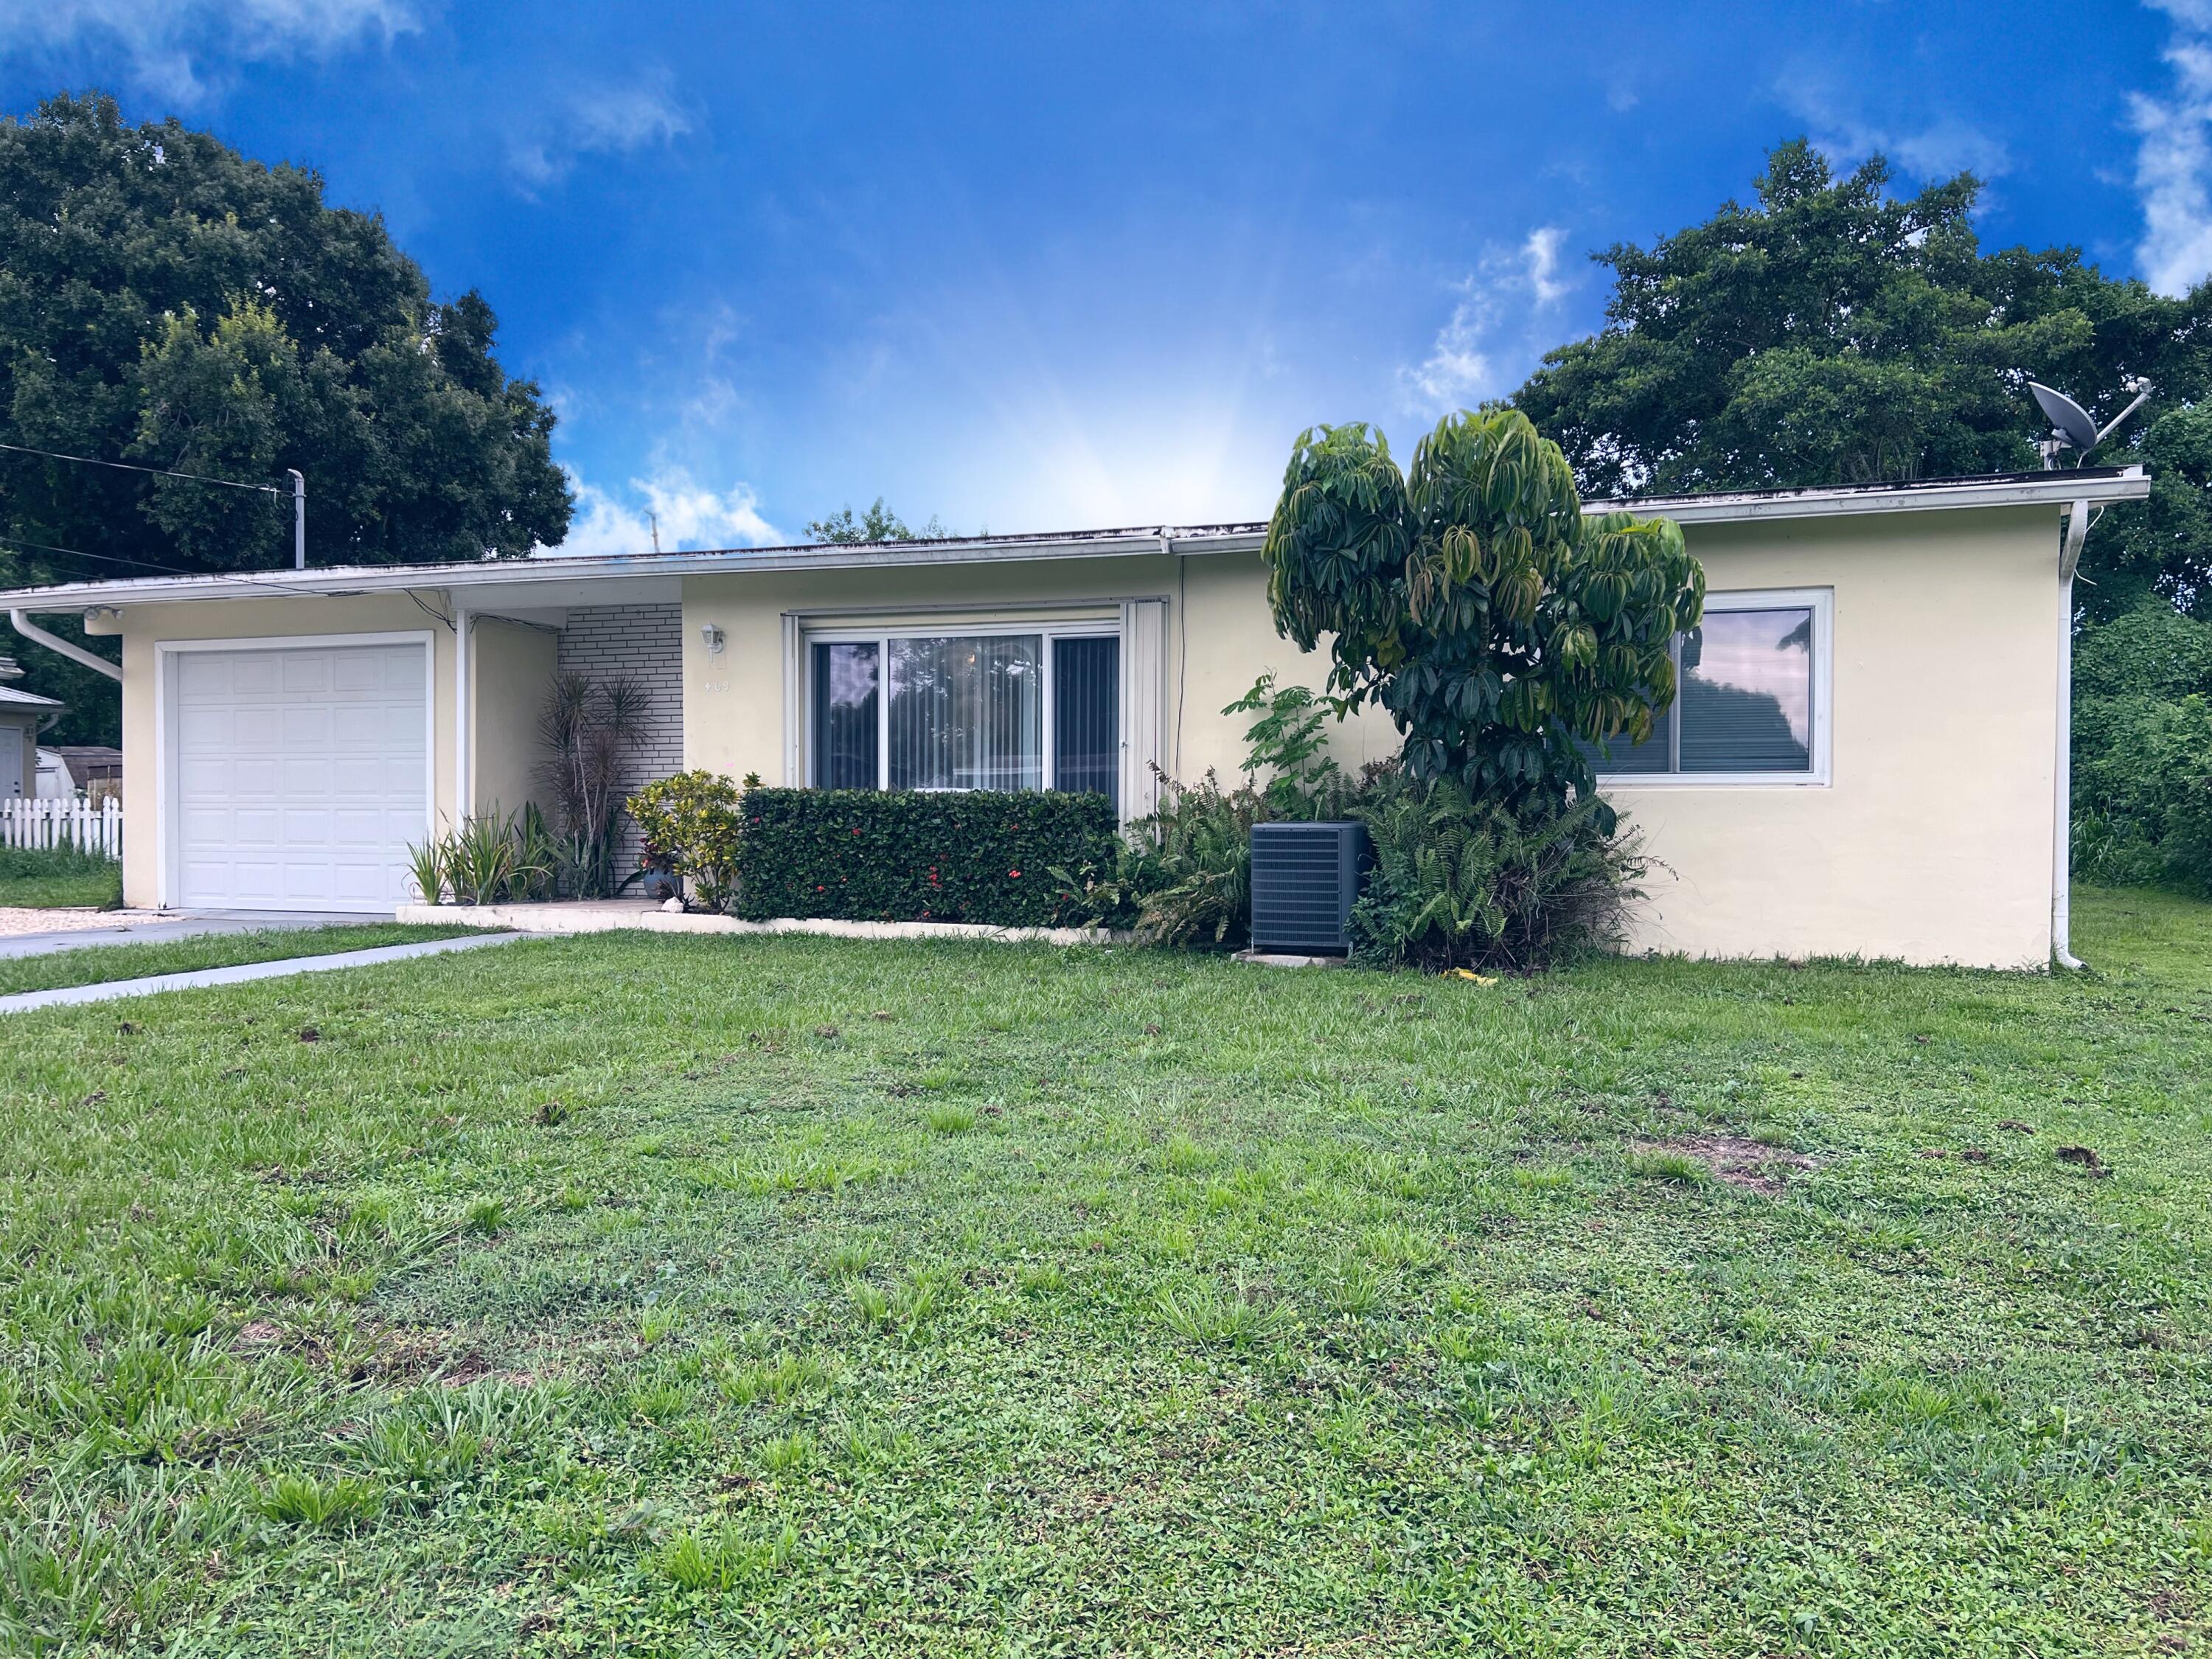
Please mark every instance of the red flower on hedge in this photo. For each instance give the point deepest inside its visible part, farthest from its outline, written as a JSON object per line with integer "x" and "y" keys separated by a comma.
{"x": 1014, "y": 875}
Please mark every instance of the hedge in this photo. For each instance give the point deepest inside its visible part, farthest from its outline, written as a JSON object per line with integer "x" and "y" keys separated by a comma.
{"x": 872, "y": 855}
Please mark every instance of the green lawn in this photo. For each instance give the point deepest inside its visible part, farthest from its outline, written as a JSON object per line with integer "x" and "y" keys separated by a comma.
{"x": 98, "y": 965}
{"x": 632, "y": 1294}
{"x": 49, "y": 880}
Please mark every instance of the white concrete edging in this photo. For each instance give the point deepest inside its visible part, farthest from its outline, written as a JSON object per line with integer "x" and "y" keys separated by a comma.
{"x": 242, "y": 973}
{"x": 614, "y": 917}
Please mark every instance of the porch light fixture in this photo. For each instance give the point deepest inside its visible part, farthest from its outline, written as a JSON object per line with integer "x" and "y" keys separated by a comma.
{"x": 711, "y": 636}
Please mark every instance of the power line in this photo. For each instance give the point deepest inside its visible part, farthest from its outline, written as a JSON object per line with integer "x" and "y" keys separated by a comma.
{"x": 157, "y": 471}
{"x": 243, "y": 578}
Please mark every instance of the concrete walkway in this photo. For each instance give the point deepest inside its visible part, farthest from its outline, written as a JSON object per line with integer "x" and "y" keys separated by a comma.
{"x": 72, "y": 929}
{"x": 240, "y": 975}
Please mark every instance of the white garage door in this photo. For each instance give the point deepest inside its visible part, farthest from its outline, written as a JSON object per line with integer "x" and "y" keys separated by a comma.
{"x": 301, "y": 774}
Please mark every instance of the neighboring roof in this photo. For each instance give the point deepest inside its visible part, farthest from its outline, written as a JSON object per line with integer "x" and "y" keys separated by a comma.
{"x": 11, "y": 698}
{"x": 2056, "y": 490}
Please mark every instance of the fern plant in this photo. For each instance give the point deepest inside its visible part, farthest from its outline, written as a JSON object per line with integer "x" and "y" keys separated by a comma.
{"x": 1462, "y": 883}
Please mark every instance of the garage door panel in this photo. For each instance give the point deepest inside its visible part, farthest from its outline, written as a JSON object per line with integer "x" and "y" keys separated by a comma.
{"x": 306, "y": 674}
{"x": 301, "y": 775}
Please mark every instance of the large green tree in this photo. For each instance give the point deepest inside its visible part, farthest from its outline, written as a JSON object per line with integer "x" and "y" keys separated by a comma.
{"x": 1832, "y": 331}
{"x": 1471, "y": 598}
{"x": 166, "y": 301}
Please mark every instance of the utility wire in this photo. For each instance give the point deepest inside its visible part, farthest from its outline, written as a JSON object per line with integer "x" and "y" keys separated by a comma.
{"x": 243, "y": 578}
{"x": 157, "y": 471}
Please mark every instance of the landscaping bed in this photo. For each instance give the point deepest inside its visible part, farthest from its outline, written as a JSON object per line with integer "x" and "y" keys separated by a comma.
{"x": 641, "y": 1294}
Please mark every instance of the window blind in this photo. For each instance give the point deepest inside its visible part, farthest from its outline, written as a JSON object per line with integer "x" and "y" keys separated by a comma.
{"x": 1087, "y": 695}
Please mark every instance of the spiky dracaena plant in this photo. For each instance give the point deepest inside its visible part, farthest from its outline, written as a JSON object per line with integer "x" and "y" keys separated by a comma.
{"x": 590, "y": 731}
{"x": 1472, "y": 600}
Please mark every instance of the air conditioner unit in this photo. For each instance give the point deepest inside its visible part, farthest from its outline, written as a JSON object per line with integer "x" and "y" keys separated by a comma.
{"x": 1305, "y": 878}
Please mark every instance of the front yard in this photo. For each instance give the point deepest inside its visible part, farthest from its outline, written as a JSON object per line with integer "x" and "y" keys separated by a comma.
{"x": 645, "y": 1295}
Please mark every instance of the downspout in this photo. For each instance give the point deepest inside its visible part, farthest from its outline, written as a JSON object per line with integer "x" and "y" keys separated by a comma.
{"x": 463, "y": 805}
{"x": 38, "y": 636}
{"x": 2062, "y": 861}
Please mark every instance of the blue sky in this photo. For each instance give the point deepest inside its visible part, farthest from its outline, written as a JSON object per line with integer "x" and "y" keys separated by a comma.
{"x": 1044, "y": 266}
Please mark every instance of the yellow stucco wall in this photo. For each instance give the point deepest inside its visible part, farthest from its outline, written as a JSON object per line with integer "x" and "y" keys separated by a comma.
{"x": 1219, "y": 638}
{"x": 1932, "y": 842}
{"x": 510, "y": 665}
{"x": 144, "y": 626}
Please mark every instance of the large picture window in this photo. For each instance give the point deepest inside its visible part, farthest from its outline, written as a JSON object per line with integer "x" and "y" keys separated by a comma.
{"x": 1014, "y": 710}
{"x": 1750, "y": 702}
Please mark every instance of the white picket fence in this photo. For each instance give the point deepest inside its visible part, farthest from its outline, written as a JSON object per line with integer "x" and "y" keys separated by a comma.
{"x": 26, "y": 821}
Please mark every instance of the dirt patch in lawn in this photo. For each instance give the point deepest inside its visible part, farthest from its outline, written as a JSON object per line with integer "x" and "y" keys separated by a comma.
{"x": 1751, "y": 1165}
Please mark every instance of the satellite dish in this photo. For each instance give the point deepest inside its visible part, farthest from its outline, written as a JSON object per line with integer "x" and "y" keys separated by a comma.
{"x": 2077, "y": 429}
{"x": 2073, "y": 421}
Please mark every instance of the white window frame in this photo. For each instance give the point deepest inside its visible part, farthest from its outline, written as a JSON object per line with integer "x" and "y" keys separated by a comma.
{"x": 1046, "y": 632}
{"x": 1821, "y": 602}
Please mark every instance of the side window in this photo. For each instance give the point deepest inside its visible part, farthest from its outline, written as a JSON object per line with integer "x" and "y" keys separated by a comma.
{"x": 1746, "y": 705}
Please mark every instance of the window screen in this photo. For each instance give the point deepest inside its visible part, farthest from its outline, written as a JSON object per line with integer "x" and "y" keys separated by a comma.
{"x": 1086, "y": 699}
{"x": 845, "y": 716}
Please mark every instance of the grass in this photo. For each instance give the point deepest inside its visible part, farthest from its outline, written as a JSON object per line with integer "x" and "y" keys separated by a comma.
{"x": 63, "y": 877}
{"x": 100, "y": 964}
{"x": 1110, "y": 1301}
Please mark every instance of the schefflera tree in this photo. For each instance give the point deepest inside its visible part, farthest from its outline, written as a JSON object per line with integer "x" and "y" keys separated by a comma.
{"x": 1471, "y": 598}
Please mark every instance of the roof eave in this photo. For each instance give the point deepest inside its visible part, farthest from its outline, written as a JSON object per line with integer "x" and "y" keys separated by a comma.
{"x": 2057, "y": 489}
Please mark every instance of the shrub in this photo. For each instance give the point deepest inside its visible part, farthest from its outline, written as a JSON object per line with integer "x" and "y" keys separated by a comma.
{"x": 1462, "y": 884}
{"x": 1183, "y": 876}
{"x": 2142, "y": 790}
{"x": 869, "y": 855}
{"x": 588, "y": 731}
{"x": 690, "y": 823}
{"x": 2142, "y": 750}
{"x": 490, "y": 859}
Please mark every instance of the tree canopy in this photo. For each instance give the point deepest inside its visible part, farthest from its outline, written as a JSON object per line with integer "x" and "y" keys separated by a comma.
{"x": 166, "y": 301}
{"x": 1832, "y": 332}
{"x": 1471, "y": 598}
{"x": 878, "y": 524}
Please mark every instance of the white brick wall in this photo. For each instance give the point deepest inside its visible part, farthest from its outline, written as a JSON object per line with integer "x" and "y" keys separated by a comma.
{"x": 644, "y": 641}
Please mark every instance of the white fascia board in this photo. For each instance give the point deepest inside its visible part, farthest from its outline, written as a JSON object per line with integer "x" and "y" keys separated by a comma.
{"x": 547, "y": 576}
{"x": 2056, "y": 489}
{"x": 551, "y": 573}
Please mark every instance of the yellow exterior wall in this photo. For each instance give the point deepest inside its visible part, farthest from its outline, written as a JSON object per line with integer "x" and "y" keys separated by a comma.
{"x": 1221, "y": 637}
{"x": 510, "y": 665}
{"x": 1934, "y": 841}
{"x": 144, "y": 626}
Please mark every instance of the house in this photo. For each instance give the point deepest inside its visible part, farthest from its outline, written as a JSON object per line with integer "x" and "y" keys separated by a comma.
{"x": 1867, "y": 758}
{"x": 23, "y": 715}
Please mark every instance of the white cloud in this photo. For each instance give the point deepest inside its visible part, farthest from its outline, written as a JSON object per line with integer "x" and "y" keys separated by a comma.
{"x": 2173, "y": 161}
{"x": 1507, "y": 289}
{"x": 170, "y": 45}
{"x": 1942, "y": 149}
{"x": 600, "y": 121}
{"x": 690, "y": 516}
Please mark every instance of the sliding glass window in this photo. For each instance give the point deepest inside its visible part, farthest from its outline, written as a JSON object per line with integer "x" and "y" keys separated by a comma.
{"x": 967, "y": 711}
